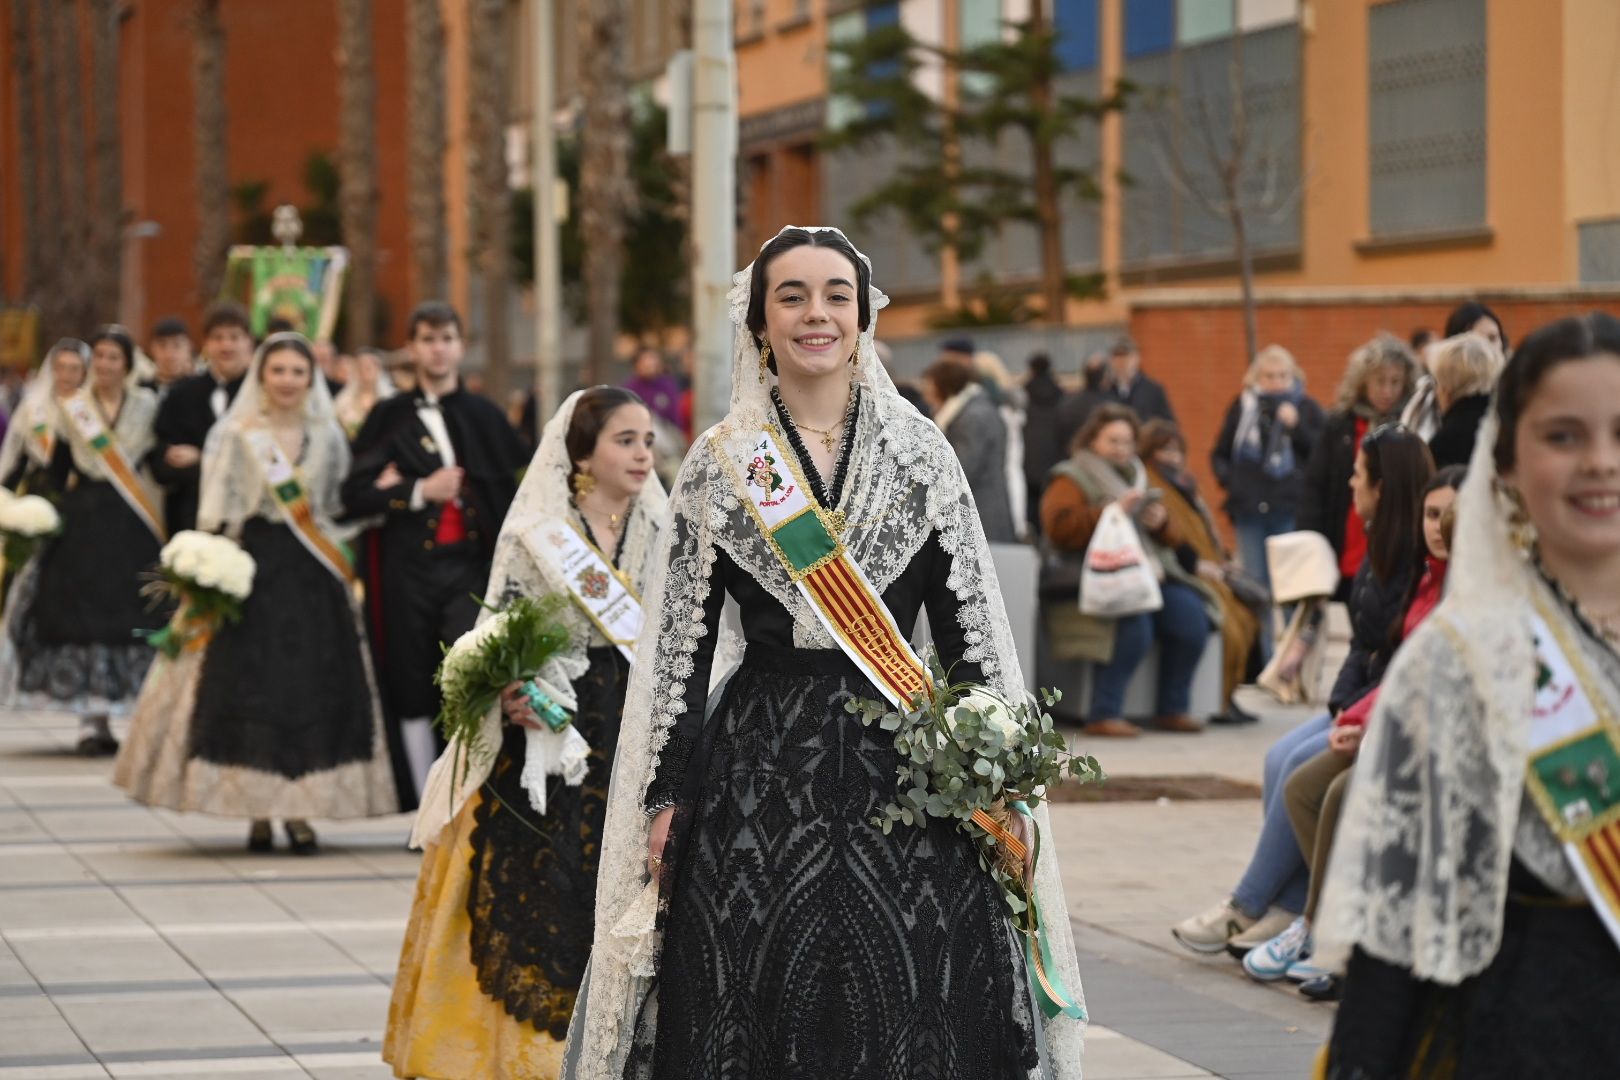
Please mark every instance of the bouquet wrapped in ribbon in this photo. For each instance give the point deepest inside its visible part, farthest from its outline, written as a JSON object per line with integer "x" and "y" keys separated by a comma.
{"x": 26, "y": 521}
{"x": 511, "y": 646}
{"x": 968, "y": 753}
{"x": 209, "y": 577}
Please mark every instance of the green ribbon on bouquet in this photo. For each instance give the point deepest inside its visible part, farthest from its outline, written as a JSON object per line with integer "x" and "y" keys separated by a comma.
{"x": 1045, "y": 980}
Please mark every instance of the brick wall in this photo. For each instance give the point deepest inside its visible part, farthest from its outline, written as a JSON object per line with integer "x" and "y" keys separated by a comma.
{"x": 1195, "y": 345}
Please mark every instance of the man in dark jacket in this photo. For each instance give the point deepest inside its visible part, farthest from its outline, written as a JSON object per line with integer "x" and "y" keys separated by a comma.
{"x": 1043, "y": 447}
{"x": 1076, "y": 408}
{"x": 439, "y": 465}
{"x": 1128, "y": 385}
{"x": 191, "y": 407}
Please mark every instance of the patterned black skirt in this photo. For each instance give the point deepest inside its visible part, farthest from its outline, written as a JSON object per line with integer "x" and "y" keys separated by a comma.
{"x": 799, "y": 940}
{"x": 532, "y": 898}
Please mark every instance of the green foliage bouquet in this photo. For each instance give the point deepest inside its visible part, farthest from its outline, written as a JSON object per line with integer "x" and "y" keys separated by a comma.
{"x": 969, "y": 754}
{"x": 510, "y": 646}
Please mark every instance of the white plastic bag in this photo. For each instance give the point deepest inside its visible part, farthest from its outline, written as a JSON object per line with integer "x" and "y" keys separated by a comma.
{"x": 1117, "y": 578}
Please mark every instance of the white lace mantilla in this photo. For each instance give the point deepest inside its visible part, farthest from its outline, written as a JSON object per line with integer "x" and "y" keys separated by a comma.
{"x": 903, "y": 483}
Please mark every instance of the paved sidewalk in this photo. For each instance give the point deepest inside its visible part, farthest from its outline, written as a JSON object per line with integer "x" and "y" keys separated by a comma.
{"x": 141, "y": 943}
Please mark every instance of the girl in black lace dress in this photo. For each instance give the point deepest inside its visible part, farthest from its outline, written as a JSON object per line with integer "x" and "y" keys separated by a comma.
{"x": 783, "y": 934}
{"x": 502, "y": 923}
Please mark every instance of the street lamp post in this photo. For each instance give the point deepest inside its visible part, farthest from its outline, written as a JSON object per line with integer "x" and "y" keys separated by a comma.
{"x": 714, "y": 199}
{"x": 547, "y": 259}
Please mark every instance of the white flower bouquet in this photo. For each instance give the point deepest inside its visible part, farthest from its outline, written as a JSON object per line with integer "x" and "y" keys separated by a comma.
{"x": 509, "y": 647}
{"x": 969, "y": 754}
{"x": 26, "y": 521}
{"x": 209, "y": 577}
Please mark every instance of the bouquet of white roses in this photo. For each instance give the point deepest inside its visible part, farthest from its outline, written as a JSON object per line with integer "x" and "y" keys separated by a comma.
{"x": 967, "y": 753}
{"x": 26, "y": 521}
{"x": 209, "y": 577}
{"x": 509, "y": 647}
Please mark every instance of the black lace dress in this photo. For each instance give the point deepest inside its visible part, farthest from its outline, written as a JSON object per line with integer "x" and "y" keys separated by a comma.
{"x": 798, "y": 940}
{"x": 79, "y": 606}
{"x": 532, "y": 897}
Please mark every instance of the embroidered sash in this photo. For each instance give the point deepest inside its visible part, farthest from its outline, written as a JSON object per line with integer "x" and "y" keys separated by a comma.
{"x": 87, "y": 421}
{"x": 45, "y": 438}
{"x": 804, "y": 537}
{"x": 287, "y": 489}
{"x": 1574, "y": 768}
{"x": 597, "y": 589}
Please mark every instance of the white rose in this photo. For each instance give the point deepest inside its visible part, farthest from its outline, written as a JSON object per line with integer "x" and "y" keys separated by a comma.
{"x": 996, "y": 714}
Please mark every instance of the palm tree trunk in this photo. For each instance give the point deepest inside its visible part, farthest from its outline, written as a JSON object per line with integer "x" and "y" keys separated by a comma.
{"x": 605, "y": 192}
{"x": 424, "y": 50}
{"x": 55, "y": 318}
{"x": 487, "y": 42}
{"x": 107, "y": 236}
{"x": 28, "y": 153}
{"x": 209, "y": 134}
{"x": 358, "y": 167}
{"x": 78, "y": 304}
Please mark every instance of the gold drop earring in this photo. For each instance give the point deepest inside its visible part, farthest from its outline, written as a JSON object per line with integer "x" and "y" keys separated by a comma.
{"x": 855, "y": 362}
{"x": 1521, "y": 530}
{"x": 584, "y": 483}
{"x": 764, "y": 360}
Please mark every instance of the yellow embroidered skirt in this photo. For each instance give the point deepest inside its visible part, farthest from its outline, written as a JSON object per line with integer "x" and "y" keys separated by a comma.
{"x": 441, "y": 1025}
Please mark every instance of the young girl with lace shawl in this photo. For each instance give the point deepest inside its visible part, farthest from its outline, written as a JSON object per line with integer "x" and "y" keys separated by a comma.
{"x": 750, "y": 919}
{"x": 277, "y": 715}
{"x": 502, "y": 922}
{"x": 1473, "y": 879}
{"x": 30, "y": 442}
{"x": 71, "y": 642}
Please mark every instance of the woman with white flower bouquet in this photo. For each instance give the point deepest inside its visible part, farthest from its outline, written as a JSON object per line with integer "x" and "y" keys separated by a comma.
{"x": 71, "y": 641}
{"x": 751, "y": 920}
{"x": 263, "y": 704}
{"x": 512, "y": 812}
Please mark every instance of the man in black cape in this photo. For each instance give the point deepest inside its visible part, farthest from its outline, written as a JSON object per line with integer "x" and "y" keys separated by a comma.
{"x": 439, "y": 466}
{"x": 191, "y": 407}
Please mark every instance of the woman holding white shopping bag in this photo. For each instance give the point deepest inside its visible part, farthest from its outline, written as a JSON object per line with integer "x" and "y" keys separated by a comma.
{"x": 1089, "y": 501}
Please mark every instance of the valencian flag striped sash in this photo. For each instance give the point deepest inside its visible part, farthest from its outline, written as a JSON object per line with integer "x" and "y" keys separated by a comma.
{"x": 806, "y": 539}
{"x": 86, "y": 420}
{"x": 1573, "y": 774}
{"x": 287, "y": 489}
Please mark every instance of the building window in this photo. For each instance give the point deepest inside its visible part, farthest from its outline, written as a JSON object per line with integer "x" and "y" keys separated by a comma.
{"x": 1426, "y": 116}
{"x": 1180, "y": 54}
{"x": 1600, "y": 251}
{"x": 1076, "y": 24}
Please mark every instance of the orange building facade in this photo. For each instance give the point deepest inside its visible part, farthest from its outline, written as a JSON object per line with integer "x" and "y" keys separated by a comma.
{"x": 282, "y": 106}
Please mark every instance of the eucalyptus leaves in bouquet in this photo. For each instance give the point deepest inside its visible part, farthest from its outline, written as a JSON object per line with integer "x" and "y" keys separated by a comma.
{"x": 968, "y": 753}
{"x": 509, "y": 647}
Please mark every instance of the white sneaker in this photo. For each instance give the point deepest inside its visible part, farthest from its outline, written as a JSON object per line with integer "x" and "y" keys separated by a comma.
{"x": 1210, "y": 931}
{"x": 1271, "y": 924}
{"x": 1305, "y": 970}
{"x": 1271, "y": 961}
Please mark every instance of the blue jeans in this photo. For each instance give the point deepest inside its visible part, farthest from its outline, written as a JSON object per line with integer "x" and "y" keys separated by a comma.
{"x": 1181, "y": 628}
{"x": 1252, "y": 530}
{"x": 1278, "y": 873}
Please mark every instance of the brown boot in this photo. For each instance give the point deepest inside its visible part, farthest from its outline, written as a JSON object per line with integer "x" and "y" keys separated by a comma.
{"x": 1112, "y": 728}
{"x": 1180, "y": 723}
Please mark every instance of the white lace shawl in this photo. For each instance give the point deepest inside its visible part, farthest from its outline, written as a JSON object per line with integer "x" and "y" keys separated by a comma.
{"x": 232, "y": 487}
{"x": 1435, "y": 813}
{"x": 132, "y": 432}
{"x": 37, "y": 406}
{"x": 903, "y": 483}
{"x": 544, "y": 495}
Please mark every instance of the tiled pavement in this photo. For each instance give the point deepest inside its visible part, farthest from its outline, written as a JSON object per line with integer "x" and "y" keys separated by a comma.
{"x": 140, "y": 943}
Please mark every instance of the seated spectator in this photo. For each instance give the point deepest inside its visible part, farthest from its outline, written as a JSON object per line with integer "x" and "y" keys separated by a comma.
{"x": 976, "y": 431}
{"x": 1378, "y": 380}
{"x": 1127, "y": 384}
{"x": 1165, "y": 452}
{"x": 1260, "y": 458}
{"x": 1315, "y": 792}
{"x": 1465, "y": 369}
{"x": 1104, "y": 469}
{"x": 1391, "y": 470}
